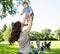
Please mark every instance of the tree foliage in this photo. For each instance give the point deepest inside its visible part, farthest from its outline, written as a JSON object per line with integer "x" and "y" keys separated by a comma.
{"x": 1, "y": 35}
{"x": 7, "y": 33}
{"x": 46, "y": 33}
{"x": 4, "y": 27}
{"x": 9, "y": 6}
{"x": 34, "y": 34}
{"x": 58, "y": 33}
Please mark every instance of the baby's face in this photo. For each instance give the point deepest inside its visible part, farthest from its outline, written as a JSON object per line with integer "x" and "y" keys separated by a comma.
{"x": 25, "y": 5}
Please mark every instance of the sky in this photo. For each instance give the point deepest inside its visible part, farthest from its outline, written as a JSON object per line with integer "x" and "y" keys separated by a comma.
{"x": 46, "y": 15}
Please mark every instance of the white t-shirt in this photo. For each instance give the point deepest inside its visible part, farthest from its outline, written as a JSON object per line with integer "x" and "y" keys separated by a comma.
{"x": 24, "y": 43}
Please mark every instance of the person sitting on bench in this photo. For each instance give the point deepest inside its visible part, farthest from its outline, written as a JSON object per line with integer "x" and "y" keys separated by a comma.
{"x": 48, "y": 45}
{"x": 42, "y": 47}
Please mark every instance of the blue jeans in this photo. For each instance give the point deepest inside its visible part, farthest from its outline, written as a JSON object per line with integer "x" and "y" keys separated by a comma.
{"x": 35, "y": 51}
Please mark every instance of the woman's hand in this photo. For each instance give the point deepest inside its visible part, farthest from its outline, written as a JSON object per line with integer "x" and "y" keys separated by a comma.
{"x": 21, "y": 14}
{"x": 25, "y": 24}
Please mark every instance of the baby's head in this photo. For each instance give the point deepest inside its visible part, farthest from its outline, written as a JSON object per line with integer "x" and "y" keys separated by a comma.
{"x": 25, "y": 4}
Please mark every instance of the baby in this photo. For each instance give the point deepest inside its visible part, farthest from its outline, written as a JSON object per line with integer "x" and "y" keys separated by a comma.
{"x": 28, "y": 13}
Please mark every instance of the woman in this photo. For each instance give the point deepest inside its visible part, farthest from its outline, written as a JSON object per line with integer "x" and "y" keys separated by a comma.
{"x": 21, "y": 36}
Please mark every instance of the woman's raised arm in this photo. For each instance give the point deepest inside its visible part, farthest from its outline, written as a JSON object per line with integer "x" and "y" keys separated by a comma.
{"x": 29, "y": 25}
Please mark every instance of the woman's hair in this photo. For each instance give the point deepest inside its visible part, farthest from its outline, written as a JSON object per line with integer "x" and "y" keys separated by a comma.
{"x": 25, "y": 3}
{"x": 16, "y": 30}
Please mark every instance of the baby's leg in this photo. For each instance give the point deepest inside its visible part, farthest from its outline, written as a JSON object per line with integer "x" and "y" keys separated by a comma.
{"x": 31, "y": 18}
{"x": 30, "y": 21}
{"x": 24, "y": 20}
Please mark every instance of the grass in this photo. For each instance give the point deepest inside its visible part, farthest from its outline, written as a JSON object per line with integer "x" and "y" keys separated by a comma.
{"x": 5, "y": 48}
{"x": 53, "y": 51}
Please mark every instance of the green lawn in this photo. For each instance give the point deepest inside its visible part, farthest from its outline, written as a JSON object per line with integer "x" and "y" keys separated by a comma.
{"x": 5, "y": 48}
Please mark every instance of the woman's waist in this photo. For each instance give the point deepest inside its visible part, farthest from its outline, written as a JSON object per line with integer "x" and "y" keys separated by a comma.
{"x": 22, "y": 46}
{"x": 25, "y": 48}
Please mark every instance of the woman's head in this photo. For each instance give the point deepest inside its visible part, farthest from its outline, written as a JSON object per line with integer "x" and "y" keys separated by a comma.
{"x": 25, "y": 4}
{"x": 16, "y": 30}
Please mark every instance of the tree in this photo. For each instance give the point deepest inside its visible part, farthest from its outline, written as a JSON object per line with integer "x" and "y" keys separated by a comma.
{"x": 34, "y": 35}
{"x": 1, "y": 34}
{"x": 4, "y": 27}
{"x": 46, "y": 33}
{"x": 12, "y": 23}
{"x": 7, "y": 34}
{"x": 42, "y": 36}
{"x": 58, "y": 33}
{"x": 9, "y": 6}
{"x": 52, "y": 36}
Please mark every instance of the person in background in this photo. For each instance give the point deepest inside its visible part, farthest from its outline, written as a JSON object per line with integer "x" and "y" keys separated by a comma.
{"x": 32, "y": 46}
{"x": 38, "y": 44}
{"x": 45, "y": 43}
{"x": 42, "y": 47}
{"x": 48, "y": 45}
{"x": 33, "y": 50}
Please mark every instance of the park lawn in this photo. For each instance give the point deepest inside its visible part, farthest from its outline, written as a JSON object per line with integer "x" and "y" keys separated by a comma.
{"x": 5, "y": 48}
{"x": 53, "y": 51}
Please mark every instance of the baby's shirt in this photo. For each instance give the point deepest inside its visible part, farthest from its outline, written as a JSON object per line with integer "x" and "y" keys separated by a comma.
{"x": 27, "y": 10}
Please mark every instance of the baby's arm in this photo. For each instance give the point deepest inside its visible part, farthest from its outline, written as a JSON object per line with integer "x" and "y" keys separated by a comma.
{"x": 23, "y": 23}
{"x": 22, "y": 12}
{"x": 30, "y": 12}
